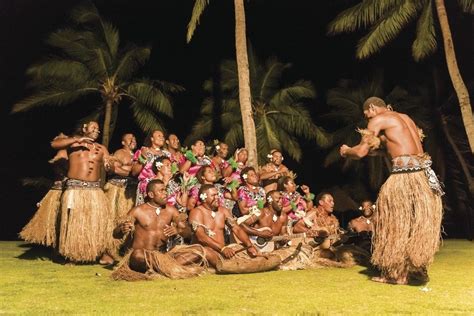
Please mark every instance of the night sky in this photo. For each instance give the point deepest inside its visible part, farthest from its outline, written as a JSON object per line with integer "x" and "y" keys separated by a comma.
{"x": 292, "y": 30}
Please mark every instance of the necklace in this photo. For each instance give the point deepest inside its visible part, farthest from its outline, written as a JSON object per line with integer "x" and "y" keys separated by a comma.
{"x": 157, "y": 208}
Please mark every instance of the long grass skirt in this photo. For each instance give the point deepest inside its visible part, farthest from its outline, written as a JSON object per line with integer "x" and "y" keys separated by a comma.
{"x": 41, "y": 229}
{"x": 407, "y": 224}
{"x": 86, "y": 224}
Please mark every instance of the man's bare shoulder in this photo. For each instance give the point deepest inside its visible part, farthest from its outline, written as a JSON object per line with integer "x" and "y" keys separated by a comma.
{"x": 195, "y": 214}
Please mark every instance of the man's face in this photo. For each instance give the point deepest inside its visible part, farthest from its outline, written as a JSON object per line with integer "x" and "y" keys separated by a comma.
{"x": 223, "y": 150}
{"x": 129, "y": 141}
{"x": 158, "y": 194}
{"x": 212, "y": 199}
{"x": 277, "y": 158}
{"x": 367, "y": 209}
{"x": 199, "y": 148}
{"x": 277, "y": 203}
{"x": 173, "y": 142}
{"x": 158, "y": 139}
{"x": 327, "y": 203}
{"x": 91, "y": 130}
{"x": 290, "y": 186}
{"x": 252, "y": 177}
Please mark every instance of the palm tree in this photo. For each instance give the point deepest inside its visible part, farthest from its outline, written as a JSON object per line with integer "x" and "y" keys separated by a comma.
{"x": 345, "y": 102}
{"x": 387, "y": 18}
{"x": 278, "y": 111}
{"x": 245, "y": 97}
{"x": 90, "y": 62}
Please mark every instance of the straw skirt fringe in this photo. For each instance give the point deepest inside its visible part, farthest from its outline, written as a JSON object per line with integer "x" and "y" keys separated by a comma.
{"x": 41, "y": 229}
{"x": 407, "y": 224}
{"x": 86, "y": 224}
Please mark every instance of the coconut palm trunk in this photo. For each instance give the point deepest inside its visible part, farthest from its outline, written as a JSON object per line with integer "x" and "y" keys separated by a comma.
{"x": 245, "y": 97}
{"x": 458, "y": 83}
{"x": 107, "y": 119}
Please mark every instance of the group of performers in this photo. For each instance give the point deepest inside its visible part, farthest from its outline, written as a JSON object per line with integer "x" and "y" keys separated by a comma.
{"x": 168, "y": 212}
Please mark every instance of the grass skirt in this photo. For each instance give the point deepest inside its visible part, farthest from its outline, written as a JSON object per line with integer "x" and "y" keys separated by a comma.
{"x": 161, "y": 265}
{"x": 86, "y": 224}
{"x": 41, "y": 229}
{"x": 120, "y": 200}
{"x": 407, "y": 223}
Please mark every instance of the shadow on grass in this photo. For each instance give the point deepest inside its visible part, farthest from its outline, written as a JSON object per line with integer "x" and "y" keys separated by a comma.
{"x": 36, "y": 252}
{"x": 414, "y": 279}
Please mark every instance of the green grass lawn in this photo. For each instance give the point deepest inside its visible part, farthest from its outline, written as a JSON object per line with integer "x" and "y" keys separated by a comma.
{"x": 31, "y": 284}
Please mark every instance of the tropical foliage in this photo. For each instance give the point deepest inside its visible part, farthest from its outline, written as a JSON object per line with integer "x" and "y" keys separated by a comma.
{"x": 345, "y": 110}
{"x": 387, "y": 18}
{"x": 279, "y": 110}
{"x": 90, "y": 61}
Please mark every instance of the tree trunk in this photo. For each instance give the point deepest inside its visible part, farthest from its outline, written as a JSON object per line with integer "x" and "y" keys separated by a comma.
{"x": 458, "y": 83}
{"x": 245, "y": 97}
{"x": 107, "y": 120}
{"x": 457, "y": 152}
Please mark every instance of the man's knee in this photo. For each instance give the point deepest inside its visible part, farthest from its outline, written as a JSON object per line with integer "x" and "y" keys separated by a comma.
{"x": 137, "y": 260}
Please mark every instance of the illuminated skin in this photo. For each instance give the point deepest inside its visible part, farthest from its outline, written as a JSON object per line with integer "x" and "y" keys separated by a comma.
{"x": 86, "y": 157}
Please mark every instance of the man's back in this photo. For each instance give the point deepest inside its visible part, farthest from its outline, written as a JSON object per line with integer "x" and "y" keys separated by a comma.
{"x": 400, "y": 131}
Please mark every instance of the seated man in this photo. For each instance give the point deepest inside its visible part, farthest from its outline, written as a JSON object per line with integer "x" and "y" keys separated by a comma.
{"x": 208, "y": 221}
{"x": 154, "y": 222}
{"x": 364, "y": 226}
{"x": 363, "y": 223}
{"x": 271, "y": 222}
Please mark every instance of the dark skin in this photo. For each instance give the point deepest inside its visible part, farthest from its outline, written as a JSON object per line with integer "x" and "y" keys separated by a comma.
{"x": 252, "y": 225}
{"x": 157, "y": 142}
{"x": 86, "y": 157}
{"x": 360, "y": 224}
{"x": 220, "y": 156}
{"x": 273, "y": 170}
{"x": 123, "y": 164}
{"x": 198, "y": 149}
{"x": 151, "y": 230}
{"x": 251, "y": 183}
{"x": 400, "y": 136}
{"x": 215, "y": 245}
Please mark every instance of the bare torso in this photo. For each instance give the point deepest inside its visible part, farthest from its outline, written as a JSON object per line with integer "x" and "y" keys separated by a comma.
{"x": 149, "y": 227}
{"x": 216, "y": 224}
{"x": 361, "y": 224}
{"x": 400, "y": 132}
{"x": 85, "y": 161}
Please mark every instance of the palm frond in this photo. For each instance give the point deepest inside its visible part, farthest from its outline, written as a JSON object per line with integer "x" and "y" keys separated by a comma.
{"x": 147, "y": 95}
{"x": 425, "y": 42}
{"x": 300, "y": 90}
{"x": 234, "y": 137}
{"x": 386, "y": 29}
{"x": 87, "y": 14}
{"x": 362, "y": 15}
{"x": 58, "y": 70}
{"x": 53, "y": 97}
{"x": 146, "y": 118}
{"x": 198, "y": 9}
{"x": 290, "y": 146}
{"x": 467, "y": 6}
{"x": 272, "y": 79}
{"x": 130, "y": 61}
{"x": 201, "y": 129}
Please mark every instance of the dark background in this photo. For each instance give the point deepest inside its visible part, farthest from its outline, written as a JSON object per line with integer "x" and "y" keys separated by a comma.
{"x": 294, "y": 31}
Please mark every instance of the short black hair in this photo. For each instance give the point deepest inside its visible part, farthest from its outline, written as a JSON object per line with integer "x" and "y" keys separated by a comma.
{"x": 154, "y": 168}
{"x": 321, "y": 195}
{"x": 205, "y": 188}
{"x": 282, "y": 181}
{"x": 201, "y": 171}
{"x": 151, "y": 185}
{"x": 245, "y": 171}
